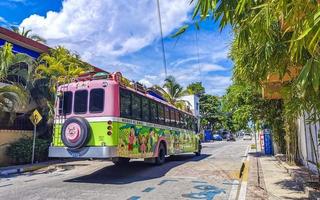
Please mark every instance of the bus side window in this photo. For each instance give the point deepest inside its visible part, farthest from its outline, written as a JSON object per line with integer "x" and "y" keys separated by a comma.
{"x": 195, "y": 125}
{"x": 172, "y": 117}
{"x": 167, "y": 115}
{"x": 185, "y": 121}
{"x": 161, "y": 113}
{"x": 136, "y": 107}
{"x": 190, "y": 123}
{"x": 145, "y": 110}
{"x": 153, "y": 112}
{"x": 125, "y": 103}
{"x": 177, "y": 118}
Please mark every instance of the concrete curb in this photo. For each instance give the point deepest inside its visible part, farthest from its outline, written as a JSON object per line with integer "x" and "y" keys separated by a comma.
{"x": 5, "y": 171}
{"x": 244, "y": 173}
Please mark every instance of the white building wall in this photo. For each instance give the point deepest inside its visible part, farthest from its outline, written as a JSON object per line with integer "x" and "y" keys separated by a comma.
{"x": 305, "y": 141}
{"x": 194, "y": 103}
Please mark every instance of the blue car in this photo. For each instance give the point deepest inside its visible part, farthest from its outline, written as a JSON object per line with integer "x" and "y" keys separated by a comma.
{"x": 217, "y": 137}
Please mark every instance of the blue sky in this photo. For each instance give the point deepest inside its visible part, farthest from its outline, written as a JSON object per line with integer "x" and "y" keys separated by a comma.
{"x": 124, "y": 36}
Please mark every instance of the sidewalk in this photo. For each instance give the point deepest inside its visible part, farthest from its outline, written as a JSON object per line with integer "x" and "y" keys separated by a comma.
{"x": 271, "y": 179}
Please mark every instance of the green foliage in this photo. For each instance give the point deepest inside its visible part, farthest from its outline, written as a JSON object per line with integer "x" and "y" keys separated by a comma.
{"x": 21, "y": 151}
{"x": 210, "y": 111}
{"x": 196, "y": 88}
{"x": 172, "y": 91}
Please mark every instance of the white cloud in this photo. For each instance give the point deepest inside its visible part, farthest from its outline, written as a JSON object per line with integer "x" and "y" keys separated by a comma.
{"x": 206, "y": 67}
{"x": 107, "y": 28}
{"x": 3, "y": 20}
{"x": 124, "y": 36}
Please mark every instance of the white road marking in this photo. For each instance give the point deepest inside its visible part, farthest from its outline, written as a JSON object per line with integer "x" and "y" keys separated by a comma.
{"x": 234, "y": 190}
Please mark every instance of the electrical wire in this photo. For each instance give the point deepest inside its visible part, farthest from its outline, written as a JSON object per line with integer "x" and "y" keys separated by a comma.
{"x": 162, "y": 41}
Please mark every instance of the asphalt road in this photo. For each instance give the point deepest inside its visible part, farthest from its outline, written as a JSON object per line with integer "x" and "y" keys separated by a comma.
{"x": 213, "y": 175}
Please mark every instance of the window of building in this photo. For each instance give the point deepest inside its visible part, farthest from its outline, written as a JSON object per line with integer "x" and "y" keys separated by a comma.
{"x": 125, "y": 103}
{"x": 161, "y": 113}
{"x": 80, "y": 102}
{"x": 65, "y": 103}
{"x": 136, "y": 107}
{"x": 153, "y": 112}
{"x": 145, "y": 110}
{"x": 96, "y": 103}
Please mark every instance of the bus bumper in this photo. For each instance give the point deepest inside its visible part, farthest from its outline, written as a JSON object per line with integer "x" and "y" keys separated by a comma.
{"x": 85, "y": 152}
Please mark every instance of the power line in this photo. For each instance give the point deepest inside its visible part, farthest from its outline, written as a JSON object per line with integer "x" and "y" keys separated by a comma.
{"x": 162, "y": 41}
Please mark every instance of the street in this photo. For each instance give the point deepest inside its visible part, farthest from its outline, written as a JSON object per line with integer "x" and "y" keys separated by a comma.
{"x": 213, "y": 175}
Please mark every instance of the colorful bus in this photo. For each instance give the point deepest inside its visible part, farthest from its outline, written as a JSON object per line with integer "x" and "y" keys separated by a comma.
{"x": 106, "y": 116}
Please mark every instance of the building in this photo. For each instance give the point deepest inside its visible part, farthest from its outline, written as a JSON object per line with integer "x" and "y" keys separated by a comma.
{"x": 194, "y": 103}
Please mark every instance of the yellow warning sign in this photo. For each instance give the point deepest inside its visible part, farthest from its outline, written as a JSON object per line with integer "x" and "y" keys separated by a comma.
{"x": 35, "y": 117}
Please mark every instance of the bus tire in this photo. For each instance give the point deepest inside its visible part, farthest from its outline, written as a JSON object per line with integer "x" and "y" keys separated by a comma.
{"x": 120, "y": 161}
{"x": 161, "y": 158}
{"x": 83, "y": 134}
{"x": 198, "y": 153}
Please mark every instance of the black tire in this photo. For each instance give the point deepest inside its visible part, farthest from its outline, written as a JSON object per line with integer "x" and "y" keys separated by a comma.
{"x": 161, "y": 154}
{"x": 198, "y": 153}
{"x": 121, "y": 161}
{"x": 83, "y": 135}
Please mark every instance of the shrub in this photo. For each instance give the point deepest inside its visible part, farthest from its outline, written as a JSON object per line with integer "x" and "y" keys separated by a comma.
{"x": 21, "y": 151}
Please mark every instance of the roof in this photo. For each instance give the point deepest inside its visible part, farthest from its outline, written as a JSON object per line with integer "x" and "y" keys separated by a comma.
{"x": 22, "y": 41}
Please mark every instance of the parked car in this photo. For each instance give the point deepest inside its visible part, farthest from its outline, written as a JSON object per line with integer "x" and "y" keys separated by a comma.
{"x": 217, "y": 137}
{"x": 247, "y": 136}
{"x": 231, "y": 137}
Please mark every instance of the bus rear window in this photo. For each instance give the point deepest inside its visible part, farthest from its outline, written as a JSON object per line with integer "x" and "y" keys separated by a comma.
{"x": 65, "y": 103}
{"x": 80, "y": 101}
{"x": 96, "y": 100}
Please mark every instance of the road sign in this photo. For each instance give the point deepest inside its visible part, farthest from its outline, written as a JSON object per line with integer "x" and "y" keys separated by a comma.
{"x": 35, "y": 117}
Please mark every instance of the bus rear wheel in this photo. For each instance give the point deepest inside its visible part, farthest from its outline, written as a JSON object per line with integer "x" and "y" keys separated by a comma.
{"x": 161, "y": 155}
{"x": 120, "y": 161}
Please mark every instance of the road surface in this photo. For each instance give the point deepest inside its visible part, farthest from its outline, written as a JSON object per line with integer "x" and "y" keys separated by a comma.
{"x": 213, "y": 175}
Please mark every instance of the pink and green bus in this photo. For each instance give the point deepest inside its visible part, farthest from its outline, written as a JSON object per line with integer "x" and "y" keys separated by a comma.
{"x": 106, "y": 117}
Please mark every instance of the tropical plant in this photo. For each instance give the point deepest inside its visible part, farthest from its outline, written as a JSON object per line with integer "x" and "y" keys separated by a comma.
{"x": 9, "y": 63}
{"x": 57, "y": 67}
{"x": 196, "y": 88}
{"x": 210, "y": 111}
{"x": 172, "y": 92}
{"x": 12, "y": 98}
{"x": 20, "y": 151}
{"x": 27, "y": 33}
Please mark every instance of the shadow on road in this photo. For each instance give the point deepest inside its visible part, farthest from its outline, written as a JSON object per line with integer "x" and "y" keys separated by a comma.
{"x": 135, "y": 171}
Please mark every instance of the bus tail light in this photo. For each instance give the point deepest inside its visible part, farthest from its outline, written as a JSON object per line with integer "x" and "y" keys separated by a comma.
{"x": 109, "y": 122}
{"x": 109, "y": 132}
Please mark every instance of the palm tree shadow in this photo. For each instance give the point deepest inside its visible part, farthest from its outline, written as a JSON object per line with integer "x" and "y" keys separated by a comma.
{"x": 134, "y": 171}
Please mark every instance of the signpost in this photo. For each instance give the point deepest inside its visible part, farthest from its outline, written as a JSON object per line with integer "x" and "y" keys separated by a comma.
{"x": 35, "y": 118}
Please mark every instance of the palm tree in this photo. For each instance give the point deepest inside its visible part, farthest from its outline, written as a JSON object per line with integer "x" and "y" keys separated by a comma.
{"x": 59, "y": 66}
{"x": 27, "y": 33}
{"x": 172, "y": 92}
{"x": 12, "y": 98}
{"x": 10, "y": 64}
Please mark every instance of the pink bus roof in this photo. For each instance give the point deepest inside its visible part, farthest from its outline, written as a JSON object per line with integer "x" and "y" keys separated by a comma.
{"x": 88, "y": 84}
